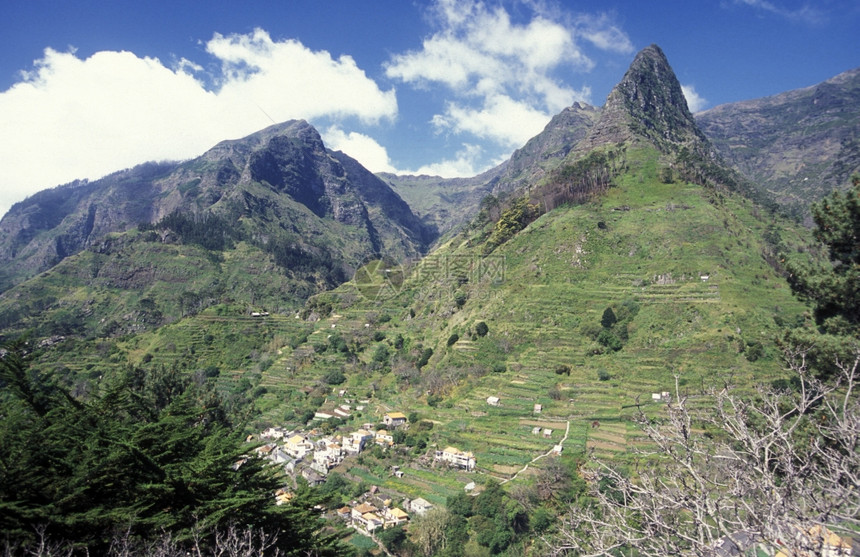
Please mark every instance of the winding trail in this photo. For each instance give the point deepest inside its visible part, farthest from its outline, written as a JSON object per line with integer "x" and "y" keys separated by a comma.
{"x": 535, "y": 459}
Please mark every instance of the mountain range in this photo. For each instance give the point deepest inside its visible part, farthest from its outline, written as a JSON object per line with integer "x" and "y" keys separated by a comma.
{"x": 623, "y": 251}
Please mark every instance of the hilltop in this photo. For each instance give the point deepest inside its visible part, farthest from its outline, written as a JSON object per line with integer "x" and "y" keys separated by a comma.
{"x": 278, "y": 185}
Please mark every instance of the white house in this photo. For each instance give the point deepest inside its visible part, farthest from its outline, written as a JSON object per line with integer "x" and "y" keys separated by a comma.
{"x": 382, "y": 437}
{"x": 360, "y": 510}
{"x": 327, "y": 456}
{"x": 394, "y": 516}
{"x": 273, "y": 433}
{"x": 394, "y": 419}
{"x": 456, "y": 457}
{"x": 297, "y": 446}
{"x": 356, "y": 441}
{"x": 420, "y": 506}
{"x": 493, "y": 400}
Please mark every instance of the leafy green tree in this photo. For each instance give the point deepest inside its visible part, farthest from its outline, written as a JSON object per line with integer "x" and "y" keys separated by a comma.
{"x": 608, "y": 339}
{"x": 834, "y": 289}
{"x": 511, "y": 221}
{"x": 481, "y": 329}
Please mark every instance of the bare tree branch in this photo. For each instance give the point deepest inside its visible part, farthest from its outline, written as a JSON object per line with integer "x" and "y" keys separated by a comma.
{"x": 778, "y": 468}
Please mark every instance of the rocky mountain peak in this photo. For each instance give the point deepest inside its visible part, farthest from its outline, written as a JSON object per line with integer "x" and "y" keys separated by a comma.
{"x": 648, "y": 102}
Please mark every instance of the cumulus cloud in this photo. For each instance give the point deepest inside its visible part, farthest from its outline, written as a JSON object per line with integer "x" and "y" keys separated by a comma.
{"x": 502, "y": 73}
{"x": 695, "y": 102}
{"x": 361, "y": 147}
{"x": 74, "y": 118}
{"x": 509, "y": 122}
{"x": 467, "y": 161}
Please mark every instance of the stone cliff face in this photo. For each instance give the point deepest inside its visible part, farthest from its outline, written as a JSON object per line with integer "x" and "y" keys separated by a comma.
{"x": 648, "y": 102}
{"x": 797, "y": 146}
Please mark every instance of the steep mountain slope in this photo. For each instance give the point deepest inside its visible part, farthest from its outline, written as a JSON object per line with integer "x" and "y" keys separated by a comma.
{"x": 283, "y": 174}
{"x": 610, "y": 273}
{"x": 647, "y": 103}
{"x": 262, "y": 222}
{"x": 797, "y": 146}
{"x": 562, "y": 318}
{"x": 449, "y": 203}
{"x": 789, "y": 149}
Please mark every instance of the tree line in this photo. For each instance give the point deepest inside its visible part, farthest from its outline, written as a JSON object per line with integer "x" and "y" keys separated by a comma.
{"x": 153, "y": 459}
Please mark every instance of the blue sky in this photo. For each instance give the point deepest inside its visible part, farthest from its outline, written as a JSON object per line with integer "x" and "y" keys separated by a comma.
{"x": 448, "y": 87}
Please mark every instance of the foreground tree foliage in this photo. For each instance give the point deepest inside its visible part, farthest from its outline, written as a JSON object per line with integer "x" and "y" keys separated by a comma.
{"x": 154, "y": 460}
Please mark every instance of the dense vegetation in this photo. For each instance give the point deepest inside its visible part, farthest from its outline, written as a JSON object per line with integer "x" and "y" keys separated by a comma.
{"x": 154, "y": 454}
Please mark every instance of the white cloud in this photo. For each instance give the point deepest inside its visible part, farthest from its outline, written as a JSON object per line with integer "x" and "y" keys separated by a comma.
{"x": 74, "y": 118}
{"x": 695, "y": 102}
{"x": 362, "y": 148}
{"x": 500, "y": 69}
{"x": 468, "y": 161}
{"x": 501, "y": 118}
{"x": 600, "y": 31}
{"x": 465, "y": 163}
{"x": 804, "y": 14}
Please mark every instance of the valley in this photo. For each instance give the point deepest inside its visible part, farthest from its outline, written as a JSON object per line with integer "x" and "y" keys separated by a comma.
{"x": 527, "y": 324}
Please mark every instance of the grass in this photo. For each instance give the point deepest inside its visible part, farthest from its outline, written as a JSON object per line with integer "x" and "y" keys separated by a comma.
{"x": 560, "y": 273}
{"x": 542, "y": 300}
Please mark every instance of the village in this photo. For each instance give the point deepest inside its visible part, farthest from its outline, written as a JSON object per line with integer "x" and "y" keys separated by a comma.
{"x": 312, "y": 455}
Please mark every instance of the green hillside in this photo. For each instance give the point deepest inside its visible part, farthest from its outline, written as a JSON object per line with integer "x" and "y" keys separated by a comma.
{"x": 613, "y": 264}
{"x": 694, "y": 286}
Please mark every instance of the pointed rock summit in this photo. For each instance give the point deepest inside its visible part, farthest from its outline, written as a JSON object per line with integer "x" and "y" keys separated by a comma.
{"x": 648, "y": 103}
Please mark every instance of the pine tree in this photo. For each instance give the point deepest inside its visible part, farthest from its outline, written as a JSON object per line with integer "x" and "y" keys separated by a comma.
{"x": 834, "y": 290}
{"x": 156, "y": 454}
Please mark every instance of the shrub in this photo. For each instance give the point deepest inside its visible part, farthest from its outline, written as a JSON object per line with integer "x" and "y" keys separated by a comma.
{"x": 424, "y": 358}
{"x": 754, "y": 351}
{"x": 603, "y": 375}
{"x": 453, "y": 339}
{"x": 381, "y": 354}
{"x": 608, "y": 339}
{"x": 334, "y": 377}
{"x": 481, "y": 329}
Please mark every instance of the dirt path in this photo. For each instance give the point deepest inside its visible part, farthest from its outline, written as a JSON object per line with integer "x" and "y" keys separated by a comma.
{"x": 535, "y": 459}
